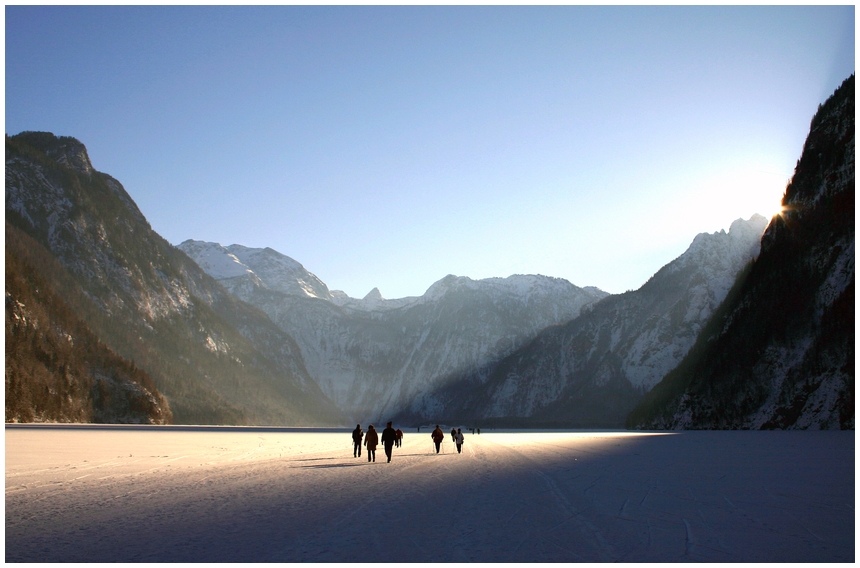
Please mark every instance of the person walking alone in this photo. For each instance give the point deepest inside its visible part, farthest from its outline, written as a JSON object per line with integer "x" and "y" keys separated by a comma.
{"x": 438, "y": 435}
{"x": 458, "y": 439}
{"x": 371, "y": 439}
{"x": 357, "y": 434}
{"x": 398, "y": 438}
{"x": 388, "y": 438}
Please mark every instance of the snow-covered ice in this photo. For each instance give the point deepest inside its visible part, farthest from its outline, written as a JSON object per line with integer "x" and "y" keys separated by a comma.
{"x": 166, "y": 494}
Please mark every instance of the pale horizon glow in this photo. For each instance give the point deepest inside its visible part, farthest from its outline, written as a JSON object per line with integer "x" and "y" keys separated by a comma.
{"x": 387, "y": 147}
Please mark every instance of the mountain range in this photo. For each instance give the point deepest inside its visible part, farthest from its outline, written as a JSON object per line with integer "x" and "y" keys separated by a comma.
{"x": 750, "y": 328}
{"x": 373, "y": 356}
{"x": 425, "y": 358}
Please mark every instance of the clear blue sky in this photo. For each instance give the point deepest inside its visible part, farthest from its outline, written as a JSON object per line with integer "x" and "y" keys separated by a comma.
{"x": 390, "y": 146}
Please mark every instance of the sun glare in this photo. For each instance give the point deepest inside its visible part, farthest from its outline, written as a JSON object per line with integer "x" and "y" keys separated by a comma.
{"x": 761, "y": 191}
{"x": 780, "y": 211}
{"x": 744, "y": 192}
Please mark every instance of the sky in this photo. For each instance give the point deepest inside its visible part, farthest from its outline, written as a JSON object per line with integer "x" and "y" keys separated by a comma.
{"x": 391, "y": 146}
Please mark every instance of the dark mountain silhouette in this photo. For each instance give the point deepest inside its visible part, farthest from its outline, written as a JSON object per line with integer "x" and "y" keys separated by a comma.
{"x": 780, "y": 351}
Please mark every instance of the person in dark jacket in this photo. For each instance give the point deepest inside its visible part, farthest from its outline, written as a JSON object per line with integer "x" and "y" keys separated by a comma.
{"x": 398, "y": 438}
{"x": 454, "y": 435}
{"x": 357, "y": 434}
{"x": 371, "y": 439}
{"x": 438, "y": 435}
{"x": 388, "y": 438}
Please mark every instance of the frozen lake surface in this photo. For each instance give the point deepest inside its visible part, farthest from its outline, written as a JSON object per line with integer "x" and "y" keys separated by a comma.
{"x": 167, "y": 494}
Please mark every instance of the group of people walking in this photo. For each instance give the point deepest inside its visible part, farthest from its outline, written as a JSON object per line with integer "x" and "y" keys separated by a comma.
{"x": 456, "y": 437}
{"x": 394, "y": 438}
{"x": 390, "y": 438}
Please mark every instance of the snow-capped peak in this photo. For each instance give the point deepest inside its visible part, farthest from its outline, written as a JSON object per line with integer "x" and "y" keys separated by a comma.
{"x": 215, "y": 259}
{"x": 266, "y": 267}
{"x": 280, "y": 272}
{"x": 728, "y": 246}
{"x": 520, "y": 285}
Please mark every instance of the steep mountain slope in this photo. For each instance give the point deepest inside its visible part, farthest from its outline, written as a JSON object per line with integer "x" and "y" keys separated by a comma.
{"x": 56, "y": 368}
{"x": 780, "y": 352}
{"x": 373, "y": 356}
{"x": 591, "y": 371}
{"x": 216, "y": 359}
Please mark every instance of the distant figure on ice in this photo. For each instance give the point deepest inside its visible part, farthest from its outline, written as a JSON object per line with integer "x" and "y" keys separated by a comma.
{"x": 370, "y": 441}
{"x": 438, "y": 435}
{"x": 356, "y": 441}
{"x": 398, "y": 438}
{"x": 388, "y": 438}
{"x": 454, "y": 435}
{"x": 458, "y": 439}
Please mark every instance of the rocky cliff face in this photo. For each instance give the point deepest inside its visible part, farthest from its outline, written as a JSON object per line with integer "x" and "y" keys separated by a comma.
{"x": 780, "y": 352}
{"x": 214, "y": 358}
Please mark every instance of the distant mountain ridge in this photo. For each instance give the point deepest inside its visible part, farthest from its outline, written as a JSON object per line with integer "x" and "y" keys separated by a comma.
{"x": 431, "y": 355}
{"x": 374, "y": 356}
{"x": 592, "y": 370}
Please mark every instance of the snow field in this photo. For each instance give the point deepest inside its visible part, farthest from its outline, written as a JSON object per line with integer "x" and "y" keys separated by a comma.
{"x": 127, "y": 494}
